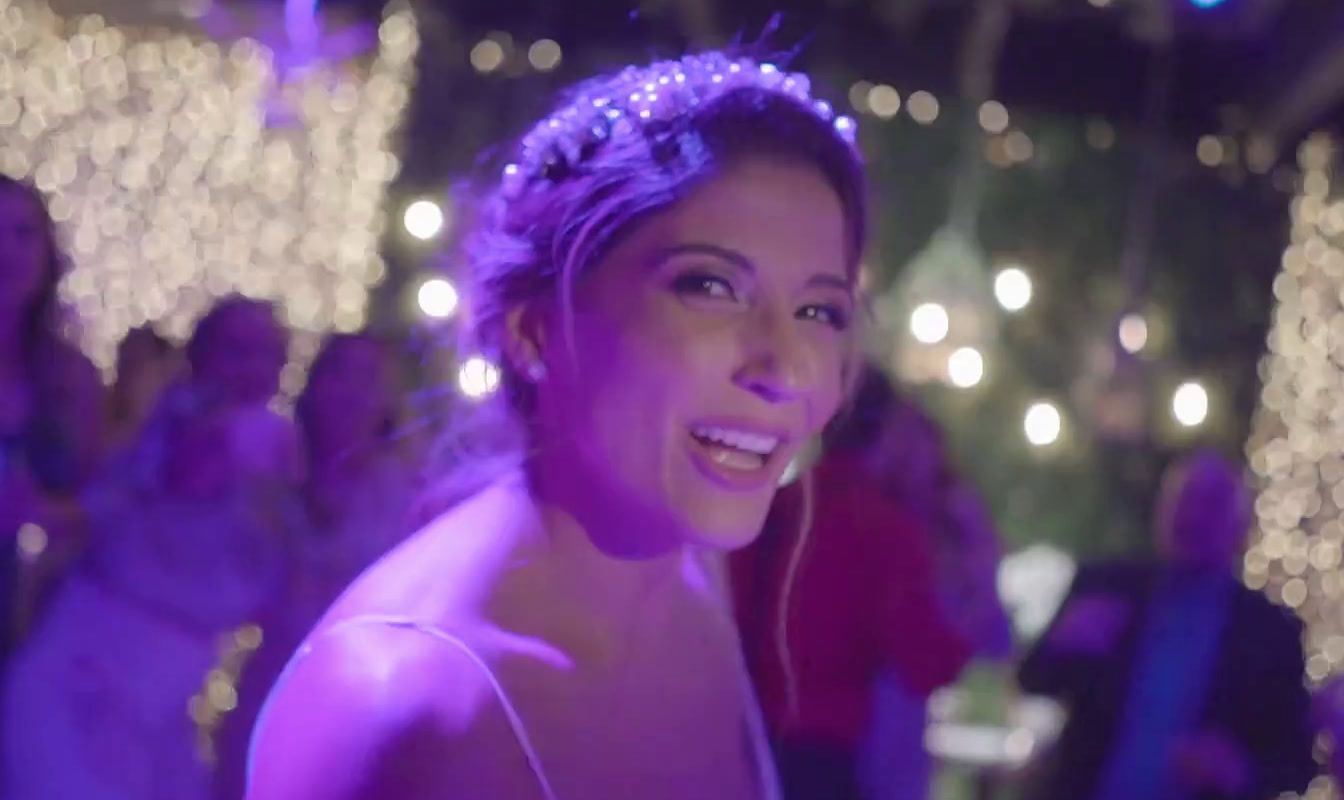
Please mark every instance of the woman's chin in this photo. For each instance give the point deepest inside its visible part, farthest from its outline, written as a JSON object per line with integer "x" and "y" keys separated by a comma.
{"x": 726, "y": 531}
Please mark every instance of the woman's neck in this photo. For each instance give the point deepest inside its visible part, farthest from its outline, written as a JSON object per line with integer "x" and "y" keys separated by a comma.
{"x": 610, "y": 518}
{"x": 614, "y": 579}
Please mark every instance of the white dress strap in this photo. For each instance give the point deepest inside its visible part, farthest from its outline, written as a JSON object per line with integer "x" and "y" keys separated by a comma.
{"x": 419, "y": 626}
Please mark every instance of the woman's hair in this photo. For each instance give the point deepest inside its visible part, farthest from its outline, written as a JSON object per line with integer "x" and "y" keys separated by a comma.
{"x": 623, "y": 147}
{"x": 618, "y": 149}
{"x": 873, "y": 401}
{"x": 42, "y": 319}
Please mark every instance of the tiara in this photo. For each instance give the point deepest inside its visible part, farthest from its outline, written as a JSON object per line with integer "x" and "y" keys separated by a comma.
{"x": 647, "y": 99}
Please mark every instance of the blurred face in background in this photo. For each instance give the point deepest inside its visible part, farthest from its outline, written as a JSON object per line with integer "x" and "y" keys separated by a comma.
{"x": 146, "y": 364}
{"x": 25, "y": 253}
{"x": 908, "y": 457}
{"x": 241, "y": 359}
{"x": 350, "y": 400}
{"x": 1203, "y": 513}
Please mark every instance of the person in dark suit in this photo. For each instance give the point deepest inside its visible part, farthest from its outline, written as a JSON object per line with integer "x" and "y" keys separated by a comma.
{"x": 1181, "y": 683}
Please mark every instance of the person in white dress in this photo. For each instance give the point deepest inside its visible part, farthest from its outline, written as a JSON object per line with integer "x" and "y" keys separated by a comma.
{"x": 664, "y": 275}
{"x": 187, "y": 544}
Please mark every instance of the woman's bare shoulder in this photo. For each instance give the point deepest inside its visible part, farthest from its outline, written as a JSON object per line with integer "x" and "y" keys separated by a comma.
{"x": 372, "y": 709}
{"x": 401, "y": 667}
{"x": 448, "y": 570}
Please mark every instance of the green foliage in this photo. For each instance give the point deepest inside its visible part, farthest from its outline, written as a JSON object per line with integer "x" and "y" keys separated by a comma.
{"x": 1065, "y": 216}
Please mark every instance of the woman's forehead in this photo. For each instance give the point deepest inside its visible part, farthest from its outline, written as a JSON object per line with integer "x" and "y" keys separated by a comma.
{"x": 771, "y": 212}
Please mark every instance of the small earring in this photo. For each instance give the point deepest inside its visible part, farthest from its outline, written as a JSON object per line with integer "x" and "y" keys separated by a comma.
{"x": 536, "y": 372}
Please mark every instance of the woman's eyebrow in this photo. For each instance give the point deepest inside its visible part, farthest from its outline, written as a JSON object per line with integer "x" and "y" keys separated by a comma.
{"x": 728, "y": 254}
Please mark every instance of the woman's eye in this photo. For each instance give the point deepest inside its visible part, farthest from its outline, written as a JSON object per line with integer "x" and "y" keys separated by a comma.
{"x": 832, "y": 316}
{"x": 699, "y": 284}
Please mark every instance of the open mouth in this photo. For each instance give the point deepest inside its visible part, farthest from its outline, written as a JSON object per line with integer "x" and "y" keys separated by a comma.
{"x": 734, "y": 449}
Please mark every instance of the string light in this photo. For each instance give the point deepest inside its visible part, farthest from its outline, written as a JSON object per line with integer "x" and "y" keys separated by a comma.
{"x": 1100, "y": 134}
{"x": 965, "y": 367}
{"x": 1297, "y": 433}
{"x": 423, "y": 219}
{"x": 929, "y": 323}
{"x": 218, "y": 696}
{"x": 1042, "y": 424}
{"x": 1190, "y": 404}
{"x": 884, "y": 101}
{"x": 993, "y": 116}
{"x": 178, "y": 177}
{"x": 858, "y": 96}
{"x": 923, "y": 108}
{"x": 1209, "y": 151}
{"x": 487, "y": 56}
{"x": 437, "y": 298}
{"x": 1133, "y": 333}
{"x": 544, "y": 55}
{"x": 1018, "y": 147}
{"x": 477, "y": 378}
{"x": 1012, "y": 288}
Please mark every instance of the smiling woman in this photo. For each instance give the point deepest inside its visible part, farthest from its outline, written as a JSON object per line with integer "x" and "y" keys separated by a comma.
{"x": 665, "y": 275}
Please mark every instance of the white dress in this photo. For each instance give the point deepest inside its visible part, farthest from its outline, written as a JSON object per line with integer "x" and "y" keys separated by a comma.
{"x": 96, "y": 701}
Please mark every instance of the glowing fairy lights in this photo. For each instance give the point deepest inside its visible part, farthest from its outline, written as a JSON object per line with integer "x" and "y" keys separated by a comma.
{"x": 1298, "y": 433}
{"x": 155, "y": 152}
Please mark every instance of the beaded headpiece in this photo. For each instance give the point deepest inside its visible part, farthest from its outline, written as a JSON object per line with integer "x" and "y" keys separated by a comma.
{"x": 643, "y": 100}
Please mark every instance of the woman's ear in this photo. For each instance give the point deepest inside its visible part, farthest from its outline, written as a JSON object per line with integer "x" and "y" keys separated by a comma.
{"x": 525, "y": 327}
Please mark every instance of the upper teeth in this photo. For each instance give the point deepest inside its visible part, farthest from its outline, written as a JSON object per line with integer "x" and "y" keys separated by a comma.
{"x": 742, "y": 440}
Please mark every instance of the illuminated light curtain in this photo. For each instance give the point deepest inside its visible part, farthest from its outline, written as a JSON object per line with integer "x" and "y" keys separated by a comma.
{"x": 181, "y": 168}
{"x": 1297, "y": 440}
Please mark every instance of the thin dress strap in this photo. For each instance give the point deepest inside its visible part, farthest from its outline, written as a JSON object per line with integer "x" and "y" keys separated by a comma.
{"x": 515, "y": 720}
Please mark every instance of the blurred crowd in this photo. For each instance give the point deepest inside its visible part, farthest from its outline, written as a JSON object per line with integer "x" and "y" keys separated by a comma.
{"x": 152, "y": 522}
{"x": 163, "y": 525}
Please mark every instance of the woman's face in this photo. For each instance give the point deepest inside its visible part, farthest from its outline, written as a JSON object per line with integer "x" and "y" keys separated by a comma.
{"x": 708, "y": 346}
{"x": 24, "y": 251}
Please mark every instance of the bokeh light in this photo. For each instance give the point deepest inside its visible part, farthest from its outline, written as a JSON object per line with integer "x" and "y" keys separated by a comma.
{"x": 487, "y": 56}
{"x": 183, "y": 169}
{"x": 929, "y": 323}
{"x": 923, "y": 107}
{"x": 437, "y": 298}
{"x": 544, "y": 55}
{"x": 1190, "y": 404}
{"x": 884, "y": 101}
{"x": 477, "y": 378}
{"x": 1042, "y": 424}
{"x": 1133, "y": 333}
{"x": 993, "y": 116}
{"x": 1012, "y": 288}
{"x": 965, "y": 367}
{"x": 423, "y": 219}
{"x": 1297, "y": 433}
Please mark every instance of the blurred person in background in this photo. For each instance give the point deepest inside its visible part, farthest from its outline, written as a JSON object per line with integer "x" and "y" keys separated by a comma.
{"x": 1179, "y": 681}
{"x": 187, "y": 545}
{"x": 235, "y": 358}
{"x": 357, "y": 491}
{"x": 838, "y": 591}
{"x": 50, "y": 395}
{"x": 147, "y": 364}
{"x": 911, "y": 458}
